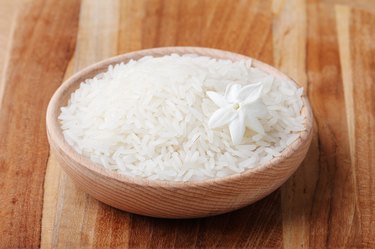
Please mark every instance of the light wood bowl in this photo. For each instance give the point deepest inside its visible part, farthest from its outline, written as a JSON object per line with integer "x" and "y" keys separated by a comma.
{"x": 169, "y": 199}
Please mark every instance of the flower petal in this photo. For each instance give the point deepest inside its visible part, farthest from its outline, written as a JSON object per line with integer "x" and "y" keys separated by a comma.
{"x": 218, "y": 99}
{"x": 267, "y": 83}
{"x": 222, "y": 117}
{"x": 237, "y": 128}
{"x": 250, "y": 93}
{"x": 254, "y": 124}
{"x": 231, "y": 92}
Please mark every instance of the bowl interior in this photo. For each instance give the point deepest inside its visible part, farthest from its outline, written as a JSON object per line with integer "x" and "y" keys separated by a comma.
{"x": 62, "y": 95}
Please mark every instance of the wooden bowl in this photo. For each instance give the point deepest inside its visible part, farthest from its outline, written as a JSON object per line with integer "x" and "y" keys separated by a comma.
{"x": 170, "y": 199}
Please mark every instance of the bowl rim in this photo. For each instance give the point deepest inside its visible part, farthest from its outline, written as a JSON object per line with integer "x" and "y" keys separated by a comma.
{"x": 55, "y": 135}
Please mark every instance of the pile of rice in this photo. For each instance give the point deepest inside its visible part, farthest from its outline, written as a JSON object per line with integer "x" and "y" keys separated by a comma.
{"x": 149, "y": 118}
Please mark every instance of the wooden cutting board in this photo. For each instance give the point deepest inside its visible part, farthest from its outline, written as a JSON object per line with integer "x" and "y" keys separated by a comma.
{"x": 326, "y": 46}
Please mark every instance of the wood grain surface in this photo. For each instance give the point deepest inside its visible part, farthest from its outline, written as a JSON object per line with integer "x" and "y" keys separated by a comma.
{"x": 326, "y": 45}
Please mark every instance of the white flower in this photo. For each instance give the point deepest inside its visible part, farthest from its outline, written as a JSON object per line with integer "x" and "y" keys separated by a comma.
{"x": 240, "y": 107}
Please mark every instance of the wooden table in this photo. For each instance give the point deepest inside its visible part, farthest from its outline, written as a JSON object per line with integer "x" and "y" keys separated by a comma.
{"x": 327, "y": 46}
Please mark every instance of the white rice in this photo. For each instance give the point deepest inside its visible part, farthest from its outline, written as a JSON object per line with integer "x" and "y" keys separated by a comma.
{"x": 149, "y": 118}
